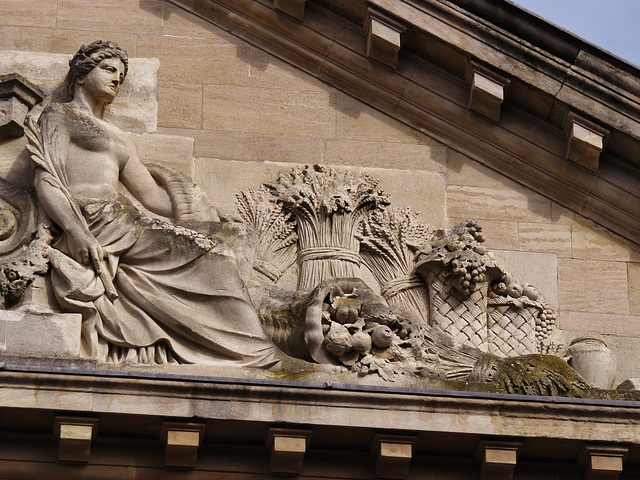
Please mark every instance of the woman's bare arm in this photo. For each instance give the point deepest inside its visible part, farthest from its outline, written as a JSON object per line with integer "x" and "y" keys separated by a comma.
{"x": 135, "y": 176}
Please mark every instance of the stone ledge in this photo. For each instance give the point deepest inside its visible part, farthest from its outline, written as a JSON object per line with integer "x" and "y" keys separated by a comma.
{"x": 28, "y": 334}
{"x": 320, "y": 403}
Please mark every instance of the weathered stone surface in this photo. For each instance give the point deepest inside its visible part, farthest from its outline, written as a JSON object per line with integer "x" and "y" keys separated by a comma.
{"x": 180, "y": 105}
{"x": 34, "y": 13}
{"x": 633, "y": 270}
{"x": 593, "y": 286}
{"x": 538, "y": 269}
{"x": 592, "y": 242}
{"x": 487, "y": 91}
{"x": 357, "y": 121}
{"x": 180, "y": 23}
{"x": 546, "y": 238}
{"x": 67, "y": 40}
{"x": 270, "y": 111}
{"x": 384, "y": 37}
{"x": 585, "y": 141}
{"x": 604, "y": 323}
{"x": 9, "y": 38}
{"x": 422, "y": 191}
{"x": 431, "y": 158}
{"x": 26, "y": 334}
{"x": 174, "y": 150}
{"x": 182, "y": 61}
{"x": 625, "y": 346}
{"x": 268, "y": 71}
{"x": 504, "y": 204}
{"x": 67, "y": 178}
{"x": 591, "y": 357}
{"x": 255, "y": 146}
{"x": 126, "y": 16}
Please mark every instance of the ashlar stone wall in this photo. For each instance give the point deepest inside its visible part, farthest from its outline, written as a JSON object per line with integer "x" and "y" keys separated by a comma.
{"x": 230, "y": 114}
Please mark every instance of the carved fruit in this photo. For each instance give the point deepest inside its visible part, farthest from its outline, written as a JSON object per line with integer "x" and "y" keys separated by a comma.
{"x": 349, "y": 358}
{"x": 515, "y": 290}
{"x": 361, "y": 342}
{"x": 531, "y": 292}
{"x": 381, "y": 336}
{"x": 338, "y": 340}
{"x": 500, "y": 288}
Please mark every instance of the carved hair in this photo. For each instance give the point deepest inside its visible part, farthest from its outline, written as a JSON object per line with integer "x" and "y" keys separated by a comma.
{"x": 88, "y": 57}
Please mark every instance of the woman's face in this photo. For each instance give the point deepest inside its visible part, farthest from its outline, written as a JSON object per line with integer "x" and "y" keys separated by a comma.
{"x": 104, "y": 81}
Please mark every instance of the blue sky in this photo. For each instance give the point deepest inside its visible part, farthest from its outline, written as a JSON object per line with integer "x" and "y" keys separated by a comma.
{"x": 613, "y": 25}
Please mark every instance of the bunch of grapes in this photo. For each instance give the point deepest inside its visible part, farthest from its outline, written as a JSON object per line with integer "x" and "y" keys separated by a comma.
{"x": 475, "y": 229}
{"x": 545, "y": 323}
{"x": 467, "y": 274}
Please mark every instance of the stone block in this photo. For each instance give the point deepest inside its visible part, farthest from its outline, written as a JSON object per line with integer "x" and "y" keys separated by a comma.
{"x": 293, "y": 8}
{"x": 182, "y": 59}
{"x": 30, "y": 334}
{"x": 625, "y": 347}
{"x": 585, "y": 141}
{"x": 180, "y": 23}
{"x": 408, "y": 156}
{"x": 255, "y": 146}
{"x": 603, "y": 462}
{"x": 595, "y": 243}
{"x": 269, "y": 111}
{"x": 393, "y": 455}
{"x": 633, "y": 271}
{"x": 384, "y": 37}
{"x": 31, "y": 13}
{"x": 546, "y": 238}
{"x": 357, "y": 121}
{"x": 68, "y": 41}
{"x": 268, "y": 71}
{"x": 503, "y": 204}
{"x": 182, "y": 441}
{"x": 538, "y": 269}
{"x": 468, "y": 172}
{"x": 179, "y": 105}
{"x": 593, "y": 286}
{"x": 487, "y": 91}
{"x": 422, "y": 191}
{"x": 74, "y": 438}
{"x": 287, "y": 447}
{"x": 605, "y": 323}
{"x": 174, "y": 150}
{"x": 127, "y": 16}
{"x": 9, "y": 38}
{"x": 498, "y": 459}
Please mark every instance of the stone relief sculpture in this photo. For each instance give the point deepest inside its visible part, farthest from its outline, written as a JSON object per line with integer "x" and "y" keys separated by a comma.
{"x": 147, "y": 290}
{"x": 152, "y": 291}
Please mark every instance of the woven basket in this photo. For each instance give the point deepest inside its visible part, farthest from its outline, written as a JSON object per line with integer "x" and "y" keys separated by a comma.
{"x": 511, "y": 327}
{"x": 463, "y": 317}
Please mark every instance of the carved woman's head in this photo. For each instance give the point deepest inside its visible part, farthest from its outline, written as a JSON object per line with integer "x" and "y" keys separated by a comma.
{"x": 89, "y": 57}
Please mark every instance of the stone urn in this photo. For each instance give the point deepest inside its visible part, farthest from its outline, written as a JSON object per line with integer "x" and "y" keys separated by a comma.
{"x": 591, "y": 357}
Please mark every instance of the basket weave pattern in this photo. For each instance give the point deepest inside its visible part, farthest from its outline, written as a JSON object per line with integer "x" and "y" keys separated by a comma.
{"x": 462, "y": 317}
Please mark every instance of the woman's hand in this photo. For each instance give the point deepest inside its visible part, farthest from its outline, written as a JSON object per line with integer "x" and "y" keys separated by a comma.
{"x": 84, "y": 248}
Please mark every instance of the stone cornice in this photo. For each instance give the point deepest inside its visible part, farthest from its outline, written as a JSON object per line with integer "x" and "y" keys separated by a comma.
{"x": 321, "y": 404}
{"x": 551, "y": 74}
